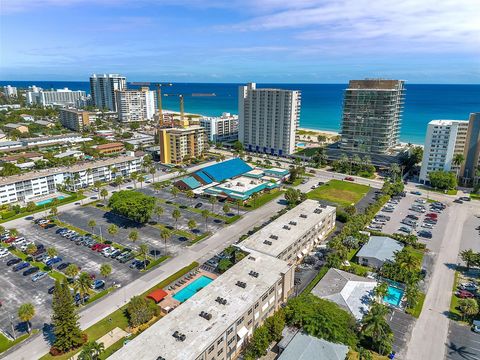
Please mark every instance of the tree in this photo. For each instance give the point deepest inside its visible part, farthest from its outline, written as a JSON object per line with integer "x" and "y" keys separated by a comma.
{"x": 97, "y": 184}
{"x": 118, "y": 181}
{"x": 292, "y": 196}
{"x": 176, "y": 214}
{"x": 65, "y": 319}
{"x": 143, "y": 252}
{"x": 381, "y": 290}
{"x": 175, "y": 191}
{"x": 238, "y": 146}
{"x": 458, "y": 160}
{"x": 376, "y": 328}
{"x": 443, "y": 180}
{"x": 105, "y": 270}
{"x": 52, "y": 252}
{"x": 350, "y": 210}
{"x": 82, "y": 285}
{"x": 104, "y": 194}
{"x": 412, "y": 294}
{"x": 91, "y": 351}
{"x": 258, "y": 344}
{"x": 31, "y": 206}
{"x": 13, "y": 232}
{"x": 26, "y": 312}
{"x": 133, "y": 205}
{"x": 9, "y": 169}
{"x": 54, "y": 211}
{"x": 192, "y": 224}
{"x": 190, "y": 194}
{"x": 226, "y": 209}
{"x": 152, "y": 171}
{"x": 212, "y": 200}
{"x": 205, "y": 215}
{"x": 254, "y": 197}
{"x": 112, "y": 230}
{"x": 239, "y": 203}
{"x": 165, "y": 235}
{"x": 469, "y": 257}
{"x": 91, "y": 224}
{"x": 31, "y": 249}
{"x": 133, "y": 236}
{"x": 71, "y": 271}
{"x": 394, "y": 171}
{"x": 321, "y": 139}
{"x": 468, "y": 307}
{"x": 140, "y": 310}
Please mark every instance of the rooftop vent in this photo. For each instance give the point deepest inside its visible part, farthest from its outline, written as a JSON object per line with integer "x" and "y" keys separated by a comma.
{"x": 253, "y": 273}
{"x": 241, "y": 284}
{"x": 205, "y": 315}
{"x": 160, "y": 358}
{"x": 251, "y": 258}
{"x": 221, "y": 300}
{"x": 317, "y": 211}
{"x": 266, "y": 242}
{"x": 274, "y": 237}
{"x": 179, "y": 336}
{"x": 294, "y": 223}
{"x": 323, "y": 206}
{"x": 286, "y": 227}
{"x": 304, "y": 216}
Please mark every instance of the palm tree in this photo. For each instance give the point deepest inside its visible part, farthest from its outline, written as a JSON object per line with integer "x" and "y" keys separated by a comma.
{"x": 157, "y": 186}
{"x": 254, "y": 197}
{"x": 82, "y": 285}
{"x": 175, "y": 191}
{"x": 71, "y": 271}
{"x": 133, "y": 236}
{"x": 394, "y": 171}
{"x": 239, "y": 203}
{"x": 212, "y": 200}
{"x": 407, "y": 261}
{"x": 91, "y": 351}
{"x": 141, "y": 179}
{"x": 105, "y": 270}
{"x": 458, "y": 160}
{"x": 134, "y": 178}
{"x": 152, "y": 172}
{"x": 54, "y": 211}
{"x": 52, "y": 252}
{"x": 91, "y": 224}
{"x": 158, "y": 212}
{"x": 165, "y": 235}
{"x": 97, "y": 185}
{"x": 468, "y": 307}
{"x": 375, "y": 326}
{"x": 192, "y": 224}
{"x": 26, "y": 312}
{"x": 31, "y": 248}
{"x": 469, "y": 257}
{"x": 176, "y": 214}
{"x": 104, "y": 194}
{"x": 226, "y": 209}
{"x": 205, "y": 215}
{"x": 112, "y": 230}
{"x": 381, "y": 290}
{"x": 118, "y": 181}
{"x": 190, "y": 194}
{"x": 13, "y": 232}
{"x": 143, "y": 251}
{"x": 76, "y": 177}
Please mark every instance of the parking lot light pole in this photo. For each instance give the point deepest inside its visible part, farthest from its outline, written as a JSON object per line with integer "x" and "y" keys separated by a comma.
{"x": 13, "y": 327}
{"x": 101, "y": 237}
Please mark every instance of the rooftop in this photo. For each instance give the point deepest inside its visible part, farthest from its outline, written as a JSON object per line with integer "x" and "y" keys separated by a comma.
{"x": 53, "y": 137}
{"x": 443, "y": 122}
{"x": 200, "y": 333}
{"x": 307, "y": 347}
{"x": 226, "y": 169}
{"x": 382, "y": 248}
{"x": 110, "y": 146}
{"x": 351, "y": 292}
{"x": 77, "y": 167}
{"x": 274, "y": 238}
{"x": 27, "y": 155}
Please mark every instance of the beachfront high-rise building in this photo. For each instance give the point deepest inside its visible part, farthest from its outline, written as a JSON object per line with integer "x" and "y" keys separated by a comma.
{"x": 103, "y": 87}
{"x": 59, "y": 97}
{"x": 178, "y": 144}
{"x": 135, "y": 105}
{"x": 372, "y": 114}
{"x": 10, "y": 91}
{"x": 268, "y": 119}
{"x": 445, "y": 140}
{"x": 221, "y": 128}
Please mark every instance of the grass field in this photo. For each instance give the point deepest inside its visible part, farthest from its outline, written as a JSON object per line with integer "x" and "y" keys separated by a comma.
{"x": 307, "y": 151}
{"x": 262, "y": 199}
{"x": 418, "y": 308}
{"x": 448, "y": 192}
{"x": 340, "y": 192}
{"x": 6, "y": 344}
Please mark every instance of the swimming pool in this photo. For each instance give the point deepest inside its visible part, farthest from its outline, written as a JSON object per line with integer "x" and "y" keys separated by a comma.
{"x": 301, "y": 144}
{"x": 191, "y": 289}
{"x": 48, "y": 201}
{"x": 394, "y": 296}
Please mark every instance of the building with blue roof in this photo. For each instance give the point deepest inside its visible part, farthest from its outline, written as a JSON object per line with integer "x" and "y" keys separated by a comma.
{"x": 188, "y": 183}
{"x": 201, "y": 176}
{"x": 226, "y": 169}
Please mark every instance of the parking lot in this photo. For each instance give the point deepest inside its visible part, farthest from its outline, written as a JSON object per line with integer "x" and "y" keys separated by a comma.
{"x": 462, "y": 343}
{"x": 401, "y": 325}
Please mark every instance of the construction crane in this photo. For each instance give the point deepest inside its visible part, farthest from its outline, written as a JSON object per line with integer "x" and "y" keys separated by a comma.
{"x": 182, "y": 101}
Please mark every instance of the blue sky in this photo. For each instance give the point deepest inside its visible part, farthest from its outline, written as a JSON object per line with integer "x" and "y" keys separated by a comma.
{"x": 289, "y": 41}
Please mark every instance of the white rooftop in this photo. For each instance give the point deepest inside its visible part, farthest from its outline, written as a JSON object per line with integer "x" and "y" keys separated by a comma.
{"x": 241, "y": 184}
{"x": 200, "y": 333}
{"x": 443, "y": 122}
{"x": 303, "y": 215}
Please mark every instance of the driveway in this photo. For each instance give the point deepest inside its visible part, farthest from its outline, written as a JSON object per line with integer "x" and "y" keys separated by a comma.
{"x": 462, "y": 343}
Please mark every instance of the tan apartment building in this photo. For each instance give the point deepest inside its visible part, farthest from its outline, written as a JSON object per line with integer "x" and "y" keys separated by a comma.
{"x": 215, "y": 323}
{"x": 110, "y": 148}
{"x": 294, "y": 234}
{"x": 181, "y": 143}
{"x": 76, "y": 120}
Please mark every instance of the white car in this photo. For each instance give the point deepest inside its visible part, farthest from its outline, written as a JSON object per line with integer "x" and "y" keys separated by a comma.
{"x": 421, "y": 201}
{"x": 427, "y": 226}
{"x": 476, "y": 326}
{"x": 108, "y": 251}
{"x": 3, "y": 252}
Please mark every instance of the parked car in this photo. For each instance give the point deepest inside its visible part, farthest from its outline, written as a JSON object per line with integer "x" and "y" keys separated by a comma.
{"x": 31, "y": 271}
{"x": 406, "y": 229}
{"x": 476, "y": 326}
{"x": 349, "y": 178}
{"x": 458, "y": 201}
{"x": 468, "y": 286}
{"x": 63, "y": 266}
{"x": 53, "y": 261}
{"x": 13, "y": 261}
{"x": 415, "y": 192}
{"x": 427, "y": 225}
{"x": 115, "y": 254}
{"x": 39, "y": 276}
{"x": 421, "y": 201}
{"x": 465, "y": 198}
{"x": 98, "y": 284}
{"x": 432, "y": 215}
{"x": 51, "y": 290}
{"x": 464, "y": 294}
{"x": 21, "y": 266}
{"x": 142, "y": 264}
{"x": 386, "y": 209}
{"x": 425, "y": 234}
{"x": 198, "y": 205}
{"x": 413, "y": 217}
{"x": 125, "y": 258}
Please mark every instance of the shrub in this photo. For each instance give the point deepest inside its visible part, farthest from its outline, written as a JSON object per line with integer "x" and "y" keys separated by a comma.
{"x": 133, "y": 205}
{"x": 342, "y": 216}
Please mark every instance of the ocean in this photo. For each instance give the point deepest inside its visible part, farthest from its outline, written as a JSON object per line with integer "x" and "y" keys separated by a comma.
{"x": 321, "y": 103}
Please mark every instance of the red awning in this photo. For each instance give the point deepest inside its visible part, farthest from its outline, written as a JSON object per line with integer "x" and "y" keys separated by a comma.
{"x": 157, "y": 295}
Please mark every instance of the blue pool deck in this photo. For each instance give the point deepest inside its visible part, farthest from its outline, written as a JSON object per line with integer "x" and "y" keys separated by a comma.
{"x": 394, "y": 296}
{"x": 191, "y": 289}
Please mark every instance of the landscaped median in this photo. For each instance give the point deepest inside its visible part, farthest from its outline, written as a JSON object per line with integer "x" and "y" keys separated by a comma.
{"x": 119, "y": 319}
{"x": 261, "y": 200}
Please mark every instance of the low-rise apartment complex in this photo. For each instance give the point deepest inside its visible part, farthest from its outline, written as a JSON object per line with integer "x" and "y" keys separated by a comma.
{"x": 181, "y": 143}
{"x": 110, "y": 148}
{"x": 445, "y": 140}
{"x": 215, "y": 323}
{"x": 75, "y": 119}
{"x": 28, "y": 186}
{"x": 294, "y": 234}
{"x": 221, "y": 128}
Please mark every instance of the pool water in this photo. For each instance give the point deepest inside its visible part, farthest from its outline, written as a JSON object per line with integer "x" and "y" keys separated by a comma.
{"x": 191, "y": 289}
{"x": 48, "y": 201}
{"x": 301, "y": 144}
{"x": 394, "y": 296}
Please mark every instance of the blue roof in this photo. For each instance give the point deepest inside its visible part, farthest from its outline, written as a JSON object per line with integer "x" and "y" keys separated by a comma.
{"x": 204, "y": 177}
{"x": 191, "y": 182}
{"x": 227, "y": 169}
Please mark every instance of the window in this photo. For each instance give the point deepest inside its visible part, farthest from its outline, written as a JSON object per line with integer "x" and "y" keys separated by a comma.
{"x": 229, "y": 331}
{"x": 219, "y": 352}
{"x": 250, "y": 311}
{"x": 240, "y": 320}
{"x": 219, "y": 341}
{"x": 210, "y": 349}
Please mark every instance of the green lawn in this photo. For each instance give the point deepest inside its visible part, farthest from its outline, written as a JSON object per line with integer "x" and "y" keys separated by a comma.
{"x": 475, "y": 196}
{"x": 262, "y": 199}
{"x": 454, "y": 314}
{"x": 448, "y": 192}
{"x": 340, "y": 192}
{"x": 418, "y": 308}
{"x": 6, "y": 344}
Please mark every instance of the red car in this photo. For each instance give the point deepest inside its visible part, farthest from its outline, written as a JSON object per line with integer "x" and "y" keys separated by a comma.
{"x": 10, "y": 240}
{"x": 432, "y": 216}
{"x": 101, "y": 247}
{"x": 349, "y": 178}
{"x": 464, "y": 294}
